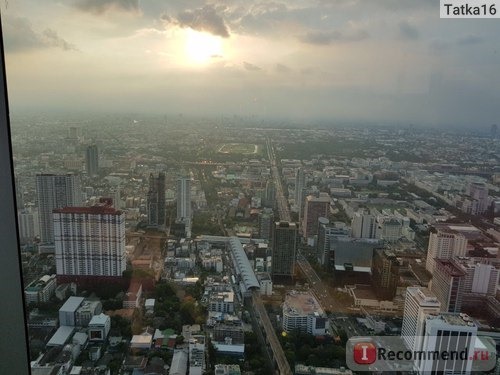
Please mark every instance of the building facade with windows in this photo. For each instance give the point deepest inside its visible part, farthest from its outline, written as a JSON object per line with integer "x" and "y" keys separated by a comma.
{"x": 90, "y": 241}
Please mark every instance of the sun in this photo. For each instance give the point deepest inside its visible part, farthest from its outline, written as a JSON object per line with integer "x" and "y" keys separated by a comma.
{"x": 201, "y": 47}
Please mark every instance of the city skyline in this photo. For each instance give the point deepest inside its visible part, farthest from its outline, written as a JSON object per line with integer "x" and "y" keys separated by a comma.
{"x": 335, "y": 61}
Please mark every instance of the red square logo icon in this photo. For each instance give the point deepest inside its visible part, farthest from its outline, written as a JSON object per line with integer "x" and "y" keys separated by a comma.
{"x": 365, "y": 353}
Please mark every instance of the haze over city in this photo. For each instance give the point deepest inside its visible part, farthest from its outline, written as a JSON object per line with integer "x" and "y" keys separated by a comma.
{"x": 344, "y": 60}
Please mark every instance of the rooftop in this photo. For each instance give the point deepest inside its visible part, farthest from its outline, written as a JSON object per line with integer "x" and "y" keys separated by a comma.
{"x": 450, "y": 267}
{"x": 98, "y": 209}
{"x": 301, "y": 303}
{"x": 453, "y": 319}
{"x": 71, "y": 304}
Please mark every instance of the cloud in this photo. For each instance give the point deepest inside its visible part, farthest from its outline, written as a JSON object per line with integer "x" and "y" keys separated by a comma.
{"x": 52, "y": 39}
{"x": 20, "y": 36}
{"x": 438, "y": 47}
{"x": 251, "y": 67}
{"x": 326, "y": 38}
{"x": 407, "y": 31}
{"x": 470, "y": 39}
{"x": 103, "y": 6}
{"x": 206, "y": 19}
{"x": 280, "y": 68}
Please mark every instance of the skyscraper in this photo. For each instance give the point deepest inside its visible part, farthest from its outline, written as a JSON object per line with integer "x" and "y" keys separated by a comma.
{"x": 184, "y": 199}
{"x": 89, "y": 241}
{"x": 300, "y": 184}
{"x": 479, "y": 192}
{"x": 419, "y": 303}
{"x": 92, "y": 160}
{"x": 55, "y": 191}
{"x": 385, "y": 273}
{"x": 448, "y": 333}
{"x": 448, "y": 283}
{"x": 315, "y": 207}
{"x": 284, "y": 246}
{"x": 156, "y": 201}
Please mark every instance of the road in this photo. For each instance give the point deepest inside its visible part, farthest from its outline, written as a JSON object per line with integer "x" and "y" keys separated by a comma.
{"x": 316, "y": 284}
{"x": 283, "y": 210}
{"x": 272, "y": 339}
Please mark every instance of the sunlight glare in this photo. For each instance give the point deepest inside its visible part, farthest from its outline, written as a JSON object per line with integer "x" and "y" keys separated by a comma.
{"x": 202, "y": 47}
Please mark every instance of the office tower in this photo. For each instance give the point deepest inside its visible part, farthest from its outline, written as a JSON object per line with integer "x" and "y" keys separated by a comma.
{"x": 479, "y": 193}
{"x": 28, "y": 225}
{"x": 266, "y": 223}
{"x": 284, "y": 245}
{"x": 89, "y": 241}
{"x": 270, "y": 200}
{"x": 445, "y": 241}
{"x": 326, "y": 235}
{"x": 184, "y": 199}
{"x": 55, "y": 191}
{"x": 385, "y": 273}
{"x": 314, "y": 208}
{"x": 156, "y": 201}
{"x": 448, "y": 333}
{"x": 419, "y": 303}
{"x": 363, "y": 226}
{"x": 92, "y": 160}
{"x": 448, "y": 282}
{"x": 323, "y": 244}
{"x": 300, "y": 185}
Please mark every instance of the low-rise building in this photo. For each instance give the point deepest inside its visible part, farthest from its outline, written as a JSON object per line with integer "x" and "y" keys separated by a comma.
{"x": 99, "y": 327}
{"x": 221, "y": 302}
{"x": 39, "y": 291}
{"x": 302, "y": 311}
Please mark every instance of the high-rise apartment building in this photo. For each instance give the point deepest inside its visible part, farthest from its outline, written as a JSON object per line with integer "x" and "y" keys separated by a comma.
{"x": 156, "y": 201}
{"x": 445, "y": 242}
{"x": 364, "y": 226}
{"x": 92, "y": 160}
{"x": 448, "y": 283}
{"x": 28, "y": 225}
{"x": 314, "y": 208}
{"x": 284, "y": 246}
{"x": 89, "y": 241}
{"x": 55, "y": 191}
{"x": 480, "y": 278}
{"x": 419, "y": 303}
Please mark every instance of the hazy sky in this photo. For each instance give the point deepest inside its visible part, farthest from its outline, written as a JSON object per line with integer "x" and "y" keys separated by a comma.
{"x": 366, "y": 60}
